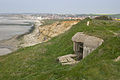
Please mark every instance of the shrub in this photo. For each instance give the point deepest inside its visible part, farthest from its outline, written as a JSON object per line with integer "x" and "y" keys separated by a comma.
{"x": 103, "y": 18}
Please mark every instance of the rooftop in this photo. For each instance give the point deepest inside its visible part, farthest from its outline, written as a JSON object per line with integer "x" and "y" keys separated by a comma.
{"x": 86, "y": 39}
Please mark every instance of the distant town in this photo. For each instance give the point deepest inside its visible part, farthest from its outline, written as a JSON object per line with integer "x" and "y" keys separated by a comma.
{"x": 31, "y": 16}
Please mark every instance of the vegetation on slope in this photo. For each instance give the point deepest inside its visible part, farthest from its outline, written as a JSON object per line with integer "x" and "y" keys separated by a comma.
{"x": 51, "y": 21}
{"x": 115, "y": 15}
{"x": 103, "y": 18}
{"x": 110, "y": 15}
{"x": 39, "y": 62}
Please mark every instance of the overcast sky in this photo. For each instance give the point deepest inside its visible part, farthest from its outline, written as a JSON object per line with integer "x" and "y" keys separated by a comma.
{"x": 60, "y": 6}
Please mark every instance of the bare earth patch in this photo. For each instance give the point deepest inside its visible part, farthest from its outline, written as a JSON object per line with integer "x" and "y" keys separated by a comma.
{"x": 45, "y": 33}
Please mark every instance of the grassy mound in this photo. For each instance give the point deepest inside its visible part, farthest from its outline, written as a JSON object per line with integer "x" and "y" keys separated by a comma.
{"x": 39, "y": 62}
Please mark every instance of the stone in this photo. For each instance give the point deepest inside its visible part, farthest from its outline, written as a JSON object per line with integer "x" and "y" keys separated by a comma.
{"x": 84, "y": 44}
{"x": 67, "y": 59}
{"x": 117, "y": 59}
{"x": 46, "y": 32}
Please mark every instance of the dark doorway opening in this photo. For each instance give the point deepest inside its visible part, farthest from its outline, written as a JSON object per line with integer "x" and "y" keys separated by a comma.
{"x": 79, "y": 50}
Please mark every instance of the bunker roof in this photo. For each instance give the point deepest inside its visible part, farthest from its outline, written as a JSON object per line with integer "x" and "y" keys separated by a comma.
{"x": 87, "y": 40}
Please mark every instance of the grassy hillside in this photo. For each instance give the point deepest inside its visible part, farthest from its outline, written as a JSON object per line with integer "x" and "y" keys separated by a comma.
{"x": 111, "y": 15}
{"x": 39, "y": 62}
{"x": 115, "y": 15}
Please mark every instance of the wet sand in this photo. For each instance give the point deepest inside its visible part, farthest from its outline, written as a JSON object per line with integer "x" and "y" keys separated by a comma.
{"x": 9, "y": 31}
{"x": 4, "y": 51}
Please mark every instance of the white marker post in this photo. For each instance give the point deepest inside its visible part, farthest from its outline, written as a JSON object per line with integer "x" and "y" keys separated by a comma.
{"x": 88, "y": 23}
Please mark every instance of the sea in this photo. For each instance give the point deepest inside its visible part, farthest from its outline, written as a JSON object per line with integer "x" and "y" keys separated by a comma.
{"x": 11, "y": 26}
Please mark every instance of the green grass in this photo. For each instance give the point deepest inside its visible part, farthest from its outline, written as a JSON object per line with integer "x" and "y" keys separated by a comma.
{"x": 39, "y": 62}
{"x": 48, "y": 22}
{"x": 51, "y": 21}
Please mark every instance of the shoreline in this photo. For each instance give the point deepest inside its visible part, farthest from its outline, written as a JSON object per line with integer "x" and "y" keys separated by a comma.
{"x": 29, "y": 31}
{"x": 12, "y": 44}
{"x": 9, "y": 44}
{"x": 29, "y": 38}
{"x": 37, "y": 34}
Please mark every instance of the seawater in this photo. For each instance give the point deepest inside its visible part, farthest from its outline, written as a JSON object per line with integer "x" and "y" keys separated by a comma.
{"x": 10, "y": 28}
{"x": 8, "y": 31}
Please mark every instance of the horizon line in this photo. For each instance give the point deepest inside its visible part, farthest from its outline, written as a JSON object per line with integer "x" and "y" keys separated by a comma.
{"x": 60, "y": 13}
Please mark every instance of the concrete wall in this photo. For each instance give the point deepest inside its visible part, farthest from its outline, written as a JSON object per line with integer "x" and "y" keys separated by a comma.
{"x": 87, "y": 51}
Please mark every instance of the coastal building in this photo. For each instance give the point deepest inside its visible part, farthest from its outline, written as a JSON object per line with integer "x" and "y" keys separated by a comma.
{"x": 84, "y": 44}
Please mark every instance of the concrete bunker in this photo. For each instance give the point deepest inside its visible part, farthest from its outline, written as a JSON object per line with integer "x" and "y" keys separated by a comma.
{"x": 78, "y": 49}
{"x": 83, "y": 45}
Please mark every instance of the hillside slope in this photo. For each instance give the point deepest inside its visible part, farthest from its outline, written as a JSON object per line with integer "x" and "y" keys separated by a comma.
{"x": 39, "y": 62}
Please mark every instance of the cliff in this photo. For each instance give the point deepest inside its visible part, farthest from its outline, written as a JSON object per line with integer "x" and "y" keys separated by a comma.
{"x": 46, "y": 32}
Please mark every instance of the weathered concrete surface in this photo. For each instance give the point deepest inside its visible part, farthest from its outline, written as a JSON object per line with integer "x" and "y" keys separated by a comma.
{"x": 90, "y": 43}
{"x": 82, "y": 42}
{"x": 67, "y": 59}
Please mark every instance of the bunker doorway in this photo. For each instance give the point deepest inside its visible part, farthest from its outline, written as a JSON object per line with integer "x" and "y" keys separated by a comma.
{"x": 79, "y": 50}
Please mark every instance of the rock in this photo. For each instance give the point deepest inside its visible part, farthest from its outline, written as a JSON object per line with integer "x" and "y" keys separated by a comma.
{"x": 67, "y": 59}
{"x": 45, "y": 33}
{"x": 84, "y": 44}
{"x": 117, "y": 59}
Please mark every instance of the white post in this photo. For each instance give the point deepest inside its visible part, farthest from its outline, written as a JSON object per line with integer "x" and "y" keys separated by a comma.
{"x": 88, "y": 23}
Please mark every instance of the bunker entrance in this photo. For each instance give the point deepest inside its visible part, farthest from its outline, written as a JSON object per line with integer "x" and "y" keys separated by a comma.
{"x": 79, "y": 50}
{"x": 83, "y": 45}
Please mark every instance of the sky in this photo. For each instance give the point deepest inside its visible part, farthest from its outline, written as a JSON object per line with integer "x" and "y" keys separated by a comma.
{"x": 61, "y": 6}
